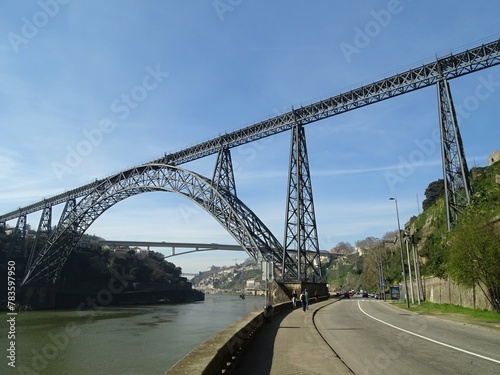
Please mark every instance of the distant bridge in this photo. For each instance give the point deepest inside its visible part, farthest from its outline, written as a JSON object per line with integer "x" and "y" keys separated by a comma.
{"x": 175, "y": 245}
{"x": 195, "y": 247}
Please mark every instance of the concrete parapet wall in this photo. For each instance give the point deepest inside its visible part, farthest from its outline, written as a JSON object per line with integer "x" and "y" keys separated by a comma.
{"x": 218, "y": 354}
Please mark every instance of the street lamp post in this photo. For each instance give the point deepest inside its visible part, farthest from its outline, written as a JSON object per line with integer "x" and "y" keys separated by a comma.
{"x": 417, "y": 272}
{"x": 402, "y": 256}
{"x": 409, "y": 269}
{"x": 379, "y": 280}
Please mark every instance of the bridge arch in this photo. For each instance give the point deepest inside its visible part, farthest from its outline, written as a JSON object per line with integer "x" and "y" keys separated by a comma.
{"x": 245, "y": 227}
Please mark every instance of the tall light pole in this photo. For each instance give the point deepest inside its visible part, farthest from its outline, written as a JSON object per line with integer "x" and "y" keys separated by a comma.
{"x": 409, "y": 268}
{"x": 417, "y": 272}
{"x": 402, "y": 256}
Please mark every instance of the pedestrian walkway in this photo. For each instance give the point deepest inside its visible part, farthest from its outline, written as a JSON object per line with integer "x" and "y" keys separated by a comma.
{"x": 290, "y": 345}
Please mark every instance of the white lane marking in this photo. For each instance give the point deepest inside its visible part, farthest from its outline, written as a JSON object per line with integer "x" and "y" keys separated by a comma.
{"x": 429, "y": 339}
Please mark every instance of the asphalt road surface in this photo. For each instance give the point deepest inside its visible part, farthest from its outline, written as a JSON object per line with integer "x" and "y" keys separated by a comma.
{"x": 372, "y": 337}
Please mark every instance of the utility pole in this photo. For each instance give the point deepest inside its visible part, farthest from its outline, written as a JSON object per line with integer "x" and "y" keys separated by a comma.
{"x": 409, "y": 268}
{"x": 402, "y": 256}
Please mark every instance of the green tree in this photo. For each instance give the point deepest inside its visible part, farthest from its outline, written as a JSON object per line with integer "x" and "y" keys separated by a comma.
{"x": 474, "y": 253}
{"x": 434, "y": 191}
{"x": 343, "y": 248}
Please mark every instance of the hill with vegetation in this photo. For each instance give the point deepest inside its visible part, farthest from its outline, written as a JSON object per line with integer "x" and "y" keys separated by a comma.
{"x": 125, "y": 277}
{"x": 469, "y": 254}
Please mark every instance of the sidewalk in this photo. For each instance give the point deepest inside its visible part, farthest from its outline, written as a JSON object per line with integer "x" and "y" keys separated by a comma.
{"x": 290, "y": 345}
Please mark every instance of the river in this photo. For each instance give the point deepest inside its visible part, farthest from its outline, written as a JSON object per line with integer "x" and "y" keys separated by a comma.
{"x": 135, "y": 340}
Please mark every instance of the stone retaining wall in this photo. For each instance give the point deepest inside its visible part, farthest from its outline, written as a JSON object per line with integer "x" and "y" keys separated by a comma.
{"x": 446, "y": 291}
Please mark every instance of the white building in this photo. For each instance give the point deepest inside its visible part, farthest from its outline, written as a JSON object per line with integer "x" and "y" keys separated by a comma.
{"x": 494, "y": 157}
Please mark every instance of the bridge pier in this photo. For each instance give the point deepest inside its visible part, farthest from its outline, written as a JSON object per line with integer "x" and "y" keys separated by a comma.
{"x": 42, "y": 234}
{"x": 301, "y": 235}
{"x": 455, "y": 171}
{"x": 18, "y": 237}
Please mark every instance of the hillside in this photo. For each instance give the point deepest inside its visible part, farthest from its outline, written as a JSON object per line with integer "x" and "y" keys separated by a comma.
{"x": 125, "y": 277}
{"x": 440, "y": 252}
{"x": 430, "y": 229}
{"x": 237, "y": 279}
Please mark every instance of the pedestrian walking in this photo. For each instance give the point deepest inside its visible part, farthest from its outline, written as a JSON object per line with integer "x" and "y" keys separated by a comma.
{"x": 303, "y": 300}
{"x": 294, "y": 298}
{"x": 306, "y": 294}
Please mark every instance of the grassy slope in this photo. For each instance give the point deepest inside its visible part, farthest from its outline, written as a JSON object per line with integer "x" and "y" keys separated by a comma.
{"x": 485, "y": 318}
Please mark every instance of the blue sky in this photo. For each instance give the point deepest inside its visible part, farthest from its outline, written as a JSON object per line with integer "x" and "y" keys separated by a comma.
{"x": 89, "y": 88}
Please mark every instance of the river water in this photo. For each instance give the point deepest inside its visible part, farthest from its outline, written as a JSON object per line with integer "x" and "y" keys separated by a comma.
{"x": 136, "y": 340}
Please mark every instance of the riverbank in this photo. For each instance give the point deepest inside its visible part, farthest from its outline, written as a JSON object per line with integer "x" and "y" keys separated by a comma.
{"x": 132, "y": 340}
{"x": 51, "y": 298}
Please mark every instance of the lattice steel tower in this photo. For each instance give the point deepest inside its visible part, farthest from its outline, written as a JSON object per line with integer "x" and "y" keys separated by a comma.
{"x": 455, "y": 172}
{"x": 301, "y": 236}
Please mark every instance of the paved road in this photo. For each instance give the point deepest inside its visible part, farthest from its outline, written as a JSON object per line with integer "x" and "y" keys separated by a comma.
{"x": 372, "y": 337}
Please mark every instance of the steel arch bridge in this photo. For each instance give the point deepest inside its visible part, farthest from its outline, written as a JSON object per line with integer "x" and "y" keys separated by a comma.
{"x": 49, "y": 251}
{"x": 245, "y": 227}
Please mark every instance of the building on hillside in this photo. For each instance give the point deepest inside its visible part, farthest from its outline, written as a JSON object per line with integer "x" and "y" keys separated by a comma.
{"x": 141, "y": 253}
{"x": 121, "y": 249}
{"x": 253, "y": 284}
{"x": 360, "y": 251}
{"x": 494, "y": 157}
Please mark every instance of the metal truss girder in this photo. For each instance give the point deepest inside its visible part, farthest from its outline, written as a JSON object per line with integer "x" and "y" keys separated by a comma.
{"x": 245, "y": 227}
{"x": 455, "y": 171}
{"x": 448, "y": 67}
{"x": 19, "y": 234}
{"x": 223, "y": 178}
{"x": 301, "y": 237}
